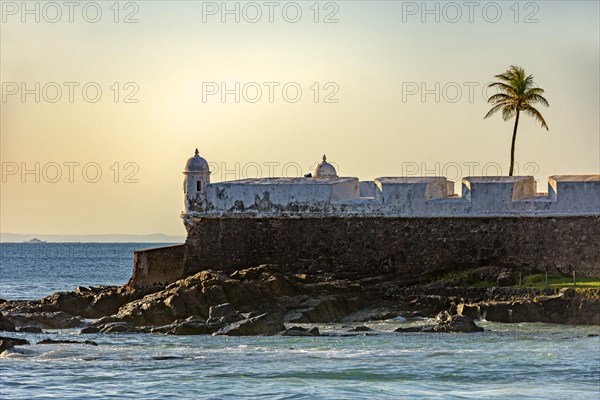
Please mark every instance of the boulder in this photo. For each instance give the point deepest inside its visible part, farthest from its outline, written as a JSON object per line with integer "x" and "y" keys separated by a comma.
{"x": 455, "y": 323}
{"x": 60, "y": 341}
{"x": 6, "y": 324}
{"x": 45, "y": 320}
{"x": 119, "y": 327}
{"x": 15, "y": 341}
{"x": 429, "y": 304}
{"x": 374, "y": 314}
{"x": 89, "y": 329}
{"x": 260, "y": 325}
{"x": 8, "y": 343}
{"x": 189, "y": 326}
{"x": 300, "y": 331}
{"x": 31, "y": 329}
{"x": 361, "y": 329}
{"x": 468, "y": 310}
{"x": 506, "y": 278}
{"x": 225, "y": 312}
{"x": 319, "y": 310}
{"x": 409, "y": 329}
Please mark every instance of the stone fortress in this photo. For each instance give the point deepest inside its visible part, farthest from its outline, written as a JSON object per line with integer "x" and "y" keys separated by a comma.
{"x": 324, "y": 193}
{"x": 409, "y": 225}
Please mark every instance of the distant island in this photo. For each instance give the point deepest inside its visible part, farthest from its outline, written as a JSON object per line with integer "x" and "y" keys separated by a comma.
{"x": 35, "y": 240}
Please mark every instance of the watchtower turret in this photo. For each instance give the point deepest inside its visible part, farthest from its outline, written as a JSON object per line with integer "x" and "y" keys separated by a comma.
{"x": 196, "y": 181}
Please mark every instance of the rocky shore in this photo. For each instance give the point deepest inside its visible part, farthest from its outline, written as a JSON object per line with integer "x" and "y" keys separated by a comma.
{"x": 267, "y": 301}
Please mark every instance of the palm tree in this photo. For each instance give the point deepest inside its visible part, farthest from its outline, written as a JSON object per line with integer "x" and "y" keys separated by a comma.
{"x": 517, "y": 94}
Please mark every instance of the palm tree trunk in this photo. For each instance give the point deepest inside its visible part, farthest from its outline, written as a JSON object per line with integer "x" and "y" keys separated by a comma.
{"x": 512, "y": 147}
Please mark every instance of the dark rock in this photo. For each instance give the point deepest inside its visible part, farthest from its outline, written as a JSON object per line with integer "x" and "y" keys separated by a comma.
{"x": 53, "y": 341}
{"x": 31, "y": 329}
{"x": 119, "y": 327}
{"x": 260, "y": 325}
{"x": 373, "y": 314}
{"x": 45, "y": 320}
{"x": 469, "y": 310}
{"x": 360, "y": 329}
{"x": 300, "y": 331}
{"x": 161, "y": 329}
{"x": 221, "y": 315}
{"x": 16, "y": 341}
{"x": 455, "y": 323}
{"x": 250, "y": 273}
{"x": 90, "y": 329}
{"x": 319, "y": 310}
{"x": 6, "y": 325}
{"x": 568, "y": 293}
{"x": 430, "y": 304}
{"x": 409, "y": 329}
{"x": 506, "y": 279}
{"x": 8, "y": 343}
{"x": 189, "y": 326}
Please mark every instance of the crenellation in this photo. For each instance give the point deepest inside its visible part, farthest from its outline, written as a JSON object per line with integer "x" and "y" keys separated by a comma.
{"x": 574, "y": 193}
{"x": 324, "y": 193}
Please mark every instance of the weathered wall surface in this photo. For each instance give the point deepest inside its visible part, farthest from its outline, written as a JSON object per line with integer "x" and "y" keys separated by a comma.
{"x": 153, "y": 267}
{"x": 397, "y": 196}
{"x": 375, "y": 245}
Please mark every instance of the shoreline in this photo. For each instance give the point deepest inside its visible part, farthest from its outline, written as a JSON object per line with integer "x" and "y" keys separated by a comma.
{"x": 265, "y": 300}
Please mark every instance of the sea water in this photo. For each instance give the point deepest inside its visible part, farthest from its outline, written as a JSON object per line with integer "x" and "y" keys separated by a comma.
{"x": 507, "y": 361}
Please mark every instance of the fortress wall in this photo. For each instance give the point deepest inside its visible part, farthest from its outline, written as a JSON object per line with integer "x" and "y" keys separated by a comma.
{"x": 280, "y": 194}
{"x": 367, "y": 188}
{"x": 407, "y": 196}
{"x": 376, "y": 245}
{"x": 344, "y": 190}
{"x": 574, "y": 192}
{"x": 496, "y": 194}
{"x": 152, "y": 267}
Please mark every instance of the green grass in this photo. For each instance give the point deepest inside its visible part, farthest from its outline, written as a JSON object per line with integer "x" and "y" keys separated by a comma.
{"x": 483, "y": 284}
{"x": 539, "y": 281}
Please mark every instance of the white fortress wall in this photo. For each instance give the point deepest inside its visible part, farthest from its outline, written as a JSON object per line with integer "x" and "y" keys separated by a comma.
{"x": 282, "y": 193}
{"x": 367, "y": 188}
{"x": 408, "y": 196}
{"x": 574, "y": 192}
{"x": 496, "y": 194}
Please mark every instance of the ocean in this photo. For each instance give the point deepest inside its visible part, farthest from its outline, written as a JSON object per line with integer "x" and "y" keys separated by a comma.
{"x": 516, "y": 361}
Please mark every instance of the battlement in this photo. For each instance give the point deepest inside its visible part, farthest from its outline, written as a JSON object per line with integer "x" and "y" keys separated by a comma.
{"x": 400, "y": 196}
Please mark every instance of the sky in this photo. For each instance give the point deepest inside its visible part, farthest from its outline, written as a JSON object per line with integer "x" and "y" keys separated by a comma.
{"x": 103, "y": 102}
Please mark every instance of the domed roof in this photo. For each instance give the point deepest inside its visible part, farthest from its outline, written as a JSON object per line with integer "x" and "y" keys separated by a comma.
{"x": 196, "y": 164}
{"x": 324, "y": 170}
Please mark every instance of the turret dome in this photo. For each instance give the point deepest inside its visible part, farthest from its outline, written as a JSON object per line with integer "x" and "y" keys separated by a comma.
{"x": 324, "y": 170}
{"x": 196, "y": 164}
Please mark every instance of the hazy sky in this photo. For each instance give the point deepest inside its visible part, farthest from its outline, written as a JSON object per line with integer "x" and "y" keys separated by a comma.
{"x": 387, "y": 88}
